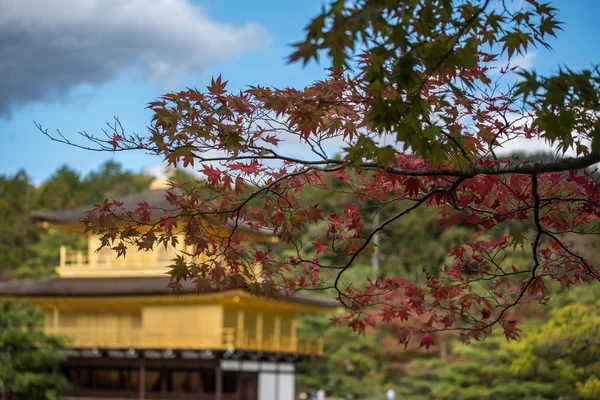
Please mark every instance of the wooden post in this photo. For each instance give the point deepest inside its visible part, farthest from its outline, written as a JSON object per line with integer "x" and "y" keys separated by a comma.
{"x": 277, "y": 332}
{"x": 444, "y": 351}
{"x": 259, "y": 331}
{"x": 229, "y": 338}
{"x": 240, "y": 329}
{"x": 142, "y": 384}
{"x": 55, "y": 320}
{"x": 218, "y": 382}
{"x": 128, "y": 380}
{"x": 294, "y": 342}
{"x": 92, "y": 256}
{"x": 63, "y": 256}
{"x": 163, "y": 380}
{"x": 375, "y": 253}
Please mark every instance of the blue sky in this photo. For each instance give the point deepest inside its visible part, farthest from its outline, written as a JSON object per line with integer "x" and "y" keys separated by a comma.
{"x": 104, "y": 78}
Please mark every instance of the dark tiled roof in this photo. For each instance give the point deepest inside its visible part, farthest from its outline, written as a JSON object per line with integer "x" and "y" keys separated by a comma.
{"x": 154, "y": 197}
{"x": 126, "y": 286}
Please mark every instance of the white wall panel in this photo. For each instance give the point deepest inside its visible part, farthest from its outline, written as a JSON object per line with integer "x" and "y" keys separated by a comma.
{"x": 286, "y": 387}
{"x": 267, "y": 386}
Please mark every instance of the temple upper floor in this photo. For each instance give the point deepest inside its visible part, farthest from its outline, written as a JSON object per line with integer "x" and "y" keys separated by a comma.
{"x": 104, "y": 263}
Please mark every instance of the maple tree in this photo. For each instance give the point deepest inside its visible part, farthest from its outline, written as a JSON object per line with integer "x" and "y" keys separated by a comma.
{"x": 420, "y": 98}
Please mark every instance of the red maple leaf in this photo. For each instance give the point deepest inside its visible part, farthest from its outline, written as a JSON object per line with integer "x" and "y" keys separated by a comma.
{"x": 213, "y": 175}
{"x": 371, "y": 321}
{"x": 339, "y": 174}
{"x": 314, "y": 213}
{"x": 427, "y": 341}
{"x": 321, "y": 248}
{"x": 412, "y": 186}
{"x": 188, "y": 159}
{"x": 402, "y": 314}
{"x": 388, "y": 315}
{"x": 115, "y": 141}
{"x": 217, "y": 87}
{"x": 167, "y": 222}
{"x": 511, "y": 332}
{"x": 121, "y": 249}
{"x": 144, "y": 211}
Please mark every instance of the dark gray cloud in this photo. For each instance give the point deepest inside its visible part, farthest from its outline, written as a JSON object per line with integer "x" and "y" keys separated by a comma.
{"x": 49, "y": 47}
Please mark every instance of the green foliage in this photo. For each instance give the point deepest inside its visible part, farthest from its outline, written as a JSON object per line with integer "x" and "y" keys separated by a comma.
{"x": 565, "y": 350}
{"x": 29, "y": 359}
{"x": 45, "y": 256}
{"x": 62, "y": 191}
{"x": 66, "y": 190}
{"x": 351, "y": 364}
{"x": 586, "y": 294}
{"x": 417, "y": 242}
{"x": 17, "y": 229}
{"x": 590, "y": 388}
{"x": 566, "y": 107}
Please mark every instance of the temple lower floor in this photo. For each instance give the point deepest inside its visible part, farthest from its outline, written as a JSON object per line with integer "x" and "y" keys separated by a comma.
{"x": 175, "y": 378}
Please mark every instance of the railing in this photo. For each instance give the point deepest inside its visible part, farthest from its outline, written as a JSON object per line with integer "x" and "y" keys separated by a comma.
{"x": 81, "y": 258}
{"x": 144, "y": 339}
{"x": 74, "y": 263}
{"x": 80, "y": 263}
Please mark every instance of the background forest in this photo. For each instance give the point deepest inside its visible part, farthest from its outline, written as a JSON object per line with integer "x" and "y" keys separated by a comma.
{"x": 558, "y": 354}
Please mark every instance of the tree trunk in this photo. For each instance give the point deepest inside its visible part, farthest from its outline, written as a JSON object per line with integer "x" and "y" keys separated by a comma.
{"x": 3, "y": 391}
{"x": 375, "y": 254}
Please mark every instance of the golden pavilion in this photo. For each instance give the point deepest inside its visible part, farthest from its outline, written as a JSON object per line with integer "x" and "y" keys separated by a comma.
{"x": 129, "y": 338}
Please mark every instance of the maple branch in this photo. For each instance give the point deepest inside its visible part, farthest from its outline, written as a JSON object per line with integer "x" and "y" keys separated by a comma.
{"x": 388, "y": 221}
{"x": 540, "y": 167}
{"x": 582, "y": 260}
{"x": 538, "y": 225}
{"x": 562, "y": 165}
{"x": 135, "y": 141}
{"x": 539, "y": 232}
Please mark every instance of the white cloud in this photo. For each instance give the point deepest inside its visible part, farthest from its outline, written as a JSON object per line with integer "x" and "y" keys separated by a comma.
{"x": 158, "y": 171}
{"x": 528, "y": 146}
{"x": 525, "y": 61}
{"x": 534, "y": 145}
{"x": 48, "y": 48}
